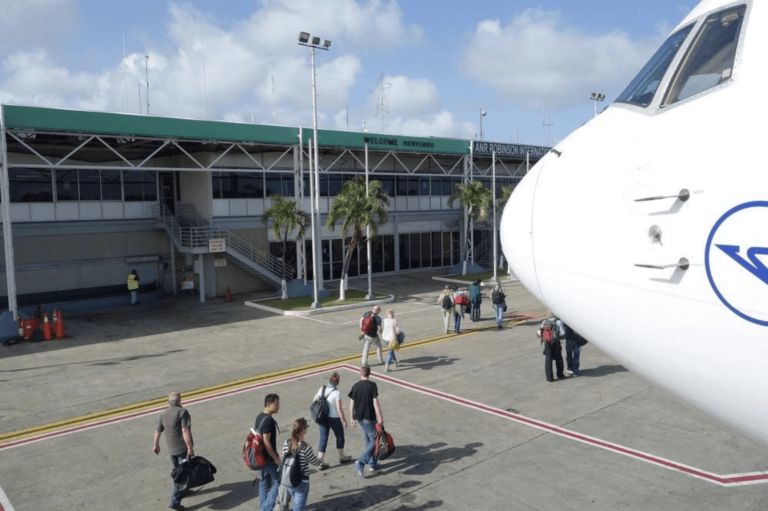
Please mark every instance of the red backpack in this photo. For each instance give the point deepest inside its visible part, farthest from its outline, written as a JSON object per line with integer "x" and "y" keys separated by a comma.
{"x": 461, "y": 299}
{"x": 254, "y": 454}
{"x": 369, "y": 324}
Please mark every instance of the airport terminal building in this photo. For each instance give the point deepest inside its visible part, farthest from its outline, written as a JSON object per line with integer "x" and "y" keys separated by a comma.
{"x": 87, "y": 197}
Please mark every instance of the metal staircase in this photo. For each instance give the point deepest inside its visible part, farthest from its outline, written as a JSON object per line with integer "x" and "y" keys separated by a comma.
{"x": 484, "y": 250}
{"x": 190, "y": 234}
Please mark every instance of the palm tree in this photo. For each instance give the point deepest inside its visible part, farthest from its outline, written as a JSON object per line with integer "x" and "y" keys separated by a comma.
{"x": 286, "y": 217}
{"x": 359, "y": 210}
{"x": 477, "y": 199}
{"x": 506, "y": 193}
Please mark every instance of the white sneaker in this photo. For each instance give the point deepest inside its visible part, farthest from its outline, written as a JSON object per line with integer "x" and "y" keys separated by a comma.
{"x": 569, "y": 371}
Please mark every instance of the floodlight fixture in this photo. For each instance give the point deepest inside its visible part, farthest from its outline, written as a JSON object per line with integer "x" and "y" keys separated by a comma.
{"x": 303, "y": 37}
{"x": 596, "y": 96}
{"x": 326, "y": 43}
{"x": 315, "y": 41}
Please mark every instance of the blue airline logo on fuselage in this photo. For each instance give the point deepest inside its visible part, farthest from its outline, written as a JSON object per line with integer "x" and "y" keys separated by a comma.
{"x": 757, "y": 268}
{"x": 744, "y": 293}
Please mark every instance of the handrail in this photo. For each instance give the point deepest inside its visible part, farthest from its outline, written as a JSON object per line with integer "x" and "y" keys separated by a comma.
{"x": 198, "y": 235}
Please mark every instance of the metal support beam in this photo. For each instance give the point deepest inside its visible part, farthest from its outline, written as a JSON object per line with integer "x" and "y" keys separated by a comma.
{"x": 5, "y": 196}
{"x": 201, "y": 268}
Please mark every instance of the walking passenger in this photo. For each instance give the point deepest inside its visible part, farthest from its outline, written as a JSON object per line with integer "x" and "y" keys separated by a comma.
{"x": 475, "y": 299}
{"x": 572, "y": 350}
{"x": 458, "y": 310}
{"x": 266, "y": 425}
{"x": 445, "y": 301}
{"x": 370, "y": 328}
{"x": 499, "y": 304}
{"x": 178, "y": 424}
{"x": 389, "y": 335}
{"x": 364, "y": 408}
{"x": 553, "y": 350}
{"x": 306, "y": 455}
{"x": 337, "y": 422}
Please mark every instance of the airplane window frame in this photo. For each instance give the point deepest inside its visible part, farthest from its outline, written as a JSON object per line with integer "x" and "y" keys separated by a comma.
{"x": 678, "y": 90}
{"x": 655, "y": 69}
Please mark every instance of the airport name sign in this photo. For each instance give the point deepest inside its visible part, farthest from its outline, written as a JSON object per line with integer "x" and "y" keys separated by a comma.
{"x": 488, "y": 148}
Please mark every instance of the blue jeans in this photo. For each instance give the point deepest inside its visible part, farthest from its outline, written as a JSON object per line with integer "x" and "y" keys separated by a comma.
{"x": 299, "y": 496}
{"x": 268, "y": 485}
{"x": 572, "y": 355}
{"x": 176, "y": 494}
{"x": 499, "y": 310}
{"x": 391, "y": 357}
{"x": 134, "y": 296}
{"x": 457, "y": 321}
{"x": 334, "y": 423}
{"x": 369, "y": 437}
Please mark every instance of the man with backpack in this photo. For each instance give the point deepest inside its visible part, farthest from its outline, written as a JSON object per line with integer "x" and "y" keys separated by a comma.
{"x": 551, "y": 332}
{"x": 370, "y": 328}
{"x": 445, "y": 301}
{"x": 178, "y": 424}
{"x": 475, "y": 298}
{"x": 265, "y": 424}
{"x": 499, "y": 303}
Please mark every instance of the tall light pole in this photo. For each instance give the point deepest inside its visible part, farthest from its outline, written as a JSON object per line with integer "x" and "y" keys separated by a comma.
{"x": 146, "y": 69}
{"x": 312, "y": 43}
{"x": 482, "y": 114}
{"x": 596, "y": 96}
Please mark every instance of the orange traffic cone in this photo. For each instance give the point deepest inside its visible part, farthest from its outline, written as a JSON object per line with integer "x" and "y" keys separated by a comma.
{"x": 54, "y": 321}
{"x": 46, "y": 328}
{"x": 59, "y": 334}
{"x": 228, "y": 296}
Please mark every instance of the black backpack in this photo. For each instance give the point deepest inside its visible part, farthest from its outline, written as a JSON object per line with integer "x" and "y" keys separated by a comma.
{"x": 447, "y": 302}
{"x": 497, "y": 297}
{"x": 291, "y": 475}
{"x": 319, "y": 409}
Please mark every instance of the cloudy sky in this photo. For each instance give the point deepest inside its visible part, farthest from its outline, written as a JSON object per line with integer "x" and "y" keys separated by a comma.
{"x": 527, "y": 64}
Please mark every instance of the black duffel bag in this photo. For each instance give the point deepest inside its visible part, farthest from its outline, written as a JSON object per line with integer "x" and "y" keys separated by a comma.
{"x": 192, "y": 473}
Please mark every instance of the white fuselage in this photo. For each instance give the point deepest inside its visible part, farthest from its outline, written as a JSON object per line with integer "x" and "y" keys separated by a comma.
{"x": 574, "y": 233}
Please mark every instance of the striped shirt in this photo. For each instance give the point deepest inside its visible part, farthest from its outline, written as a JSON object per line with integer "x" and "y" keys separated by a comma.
{"x": 306, "y": 456}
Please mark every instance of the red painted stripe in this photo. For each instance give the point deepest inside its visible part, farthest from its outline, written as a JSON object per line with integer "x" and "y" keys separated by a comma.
{"x": 730, "y": 480}
{"x": 694, "y": 472}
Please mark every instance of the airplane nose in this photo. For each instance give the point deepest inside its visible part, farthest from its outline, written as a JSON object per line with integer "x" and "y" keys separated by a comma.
{"x": 516, "y": 232}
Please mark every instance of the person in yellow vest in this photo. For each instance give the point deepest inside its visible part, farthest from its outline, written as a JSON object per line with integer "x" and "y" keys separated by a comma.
{"x": 133, "y": 287}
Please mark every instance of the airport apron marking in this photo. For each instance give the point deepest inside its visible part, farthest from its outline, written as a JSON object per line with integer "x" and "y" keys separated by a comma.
{"x": 5, "y": 504}
{"x": 19, "y": 438}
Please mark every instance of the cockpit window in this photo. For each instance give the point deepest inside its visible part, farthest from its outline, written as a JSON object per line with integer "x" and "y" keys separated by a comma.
{"x": 710, "y": 59}
{"x": 643, "y": 88}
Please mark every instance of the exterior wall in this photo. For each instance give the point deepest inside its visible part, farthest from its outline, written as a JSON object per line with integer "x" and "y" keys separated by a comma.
{"x": 50, "y": 262}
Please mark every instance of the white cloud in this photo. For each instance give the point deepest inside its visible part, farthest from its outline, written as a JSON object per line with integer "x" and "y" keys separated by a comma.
{"x": 238, "y": 72}
{"x": 537, "y": 61}
{"x": 54, "y": 21}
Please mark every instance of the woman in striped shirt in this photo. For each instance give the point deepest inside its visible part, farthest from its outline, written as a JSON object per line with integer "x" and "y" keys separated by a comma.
{"x": 306, "y": 456}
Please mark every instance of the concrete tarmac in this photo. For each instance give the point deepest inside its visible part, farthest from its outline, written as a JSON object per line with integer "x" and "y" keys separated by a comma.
{"x": 475, "y": 423}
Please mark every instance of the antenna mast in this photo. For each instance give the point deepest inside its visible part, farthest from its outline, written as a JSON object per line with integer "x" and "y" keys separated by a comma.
{"x": 381, "y": 92}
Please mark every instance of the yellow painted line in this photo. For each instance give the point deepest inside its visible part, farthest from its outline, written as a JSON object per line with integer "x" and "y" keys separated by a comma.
{"x": 143, "y": 406}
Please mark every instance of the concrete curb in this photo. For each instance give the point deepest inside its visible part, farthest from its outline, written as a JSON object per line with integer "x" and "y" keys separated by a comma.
{"x": 487, "y": 283}
{"x": 256, "y": 305}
